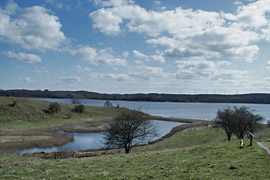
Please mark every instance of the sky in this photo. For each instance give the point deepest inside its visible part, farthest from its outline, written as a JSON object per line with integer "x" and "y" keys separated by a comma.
{"x": 136, "y": 46}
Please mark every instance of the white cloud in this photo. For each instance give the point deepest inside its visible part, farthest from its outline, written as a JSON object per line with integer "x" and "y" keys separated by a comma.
{"x": 254, "y": 14}
{"x": 189, "y": 34}
{"x": 24, "y": 57}
{"x": 157, "y": 2}
{"x": 70, "y": 79}
{"x": 157, "y": 57}
{"x": 125, "y": 54}
{"x": 203, "y": 69}
{"x": 40, "y": 70}
{"x": 98, "y": 57}
{"x": 118, "y": 77}
{"x": 33, "y": 27}
{"x": 268, "y": 65}
{"x": 140, "y": 55}
{"x": 27, "y": 79}
{"x": 148, "y": 73}
{"x": 82, "y": 69}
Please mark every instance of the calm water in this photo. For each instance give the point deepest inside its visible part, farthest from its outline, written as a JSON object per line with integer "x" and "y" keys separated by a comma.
{"x": 204, "y": 111}
{"x": 84, "y": 141}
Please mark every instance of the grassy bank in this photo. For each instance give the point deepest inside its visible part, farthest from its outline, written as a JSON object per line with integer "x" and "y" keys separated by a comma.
{"x": 23, "y": 113}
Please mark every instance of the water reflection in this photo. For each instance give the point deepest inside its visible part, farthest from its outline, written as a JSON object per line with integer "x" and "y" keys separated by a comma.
{"x": 84, "y": 141}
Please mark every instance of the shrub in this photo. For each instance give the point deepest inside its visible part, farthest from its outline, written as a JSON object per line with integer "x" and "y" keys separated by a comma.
{"x": 54, "y": 107}
{"x": 268, "y": 122}
{"x": 14, "y": 103}
{"x": 79, "y": 108}
{"x": 69, "y": 114}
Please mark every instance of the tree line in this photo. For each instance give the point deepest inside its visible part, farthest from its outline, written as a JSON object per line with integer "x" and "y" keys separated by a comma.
{"x": 155, "y": 97}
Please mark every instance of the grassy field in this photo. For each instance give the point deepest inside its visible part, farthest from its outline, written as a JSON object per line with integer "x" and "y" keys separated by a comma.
{"x": 30, "y": 113}
{"x": 201, "y": 153}
{"x": 191, "y": 159}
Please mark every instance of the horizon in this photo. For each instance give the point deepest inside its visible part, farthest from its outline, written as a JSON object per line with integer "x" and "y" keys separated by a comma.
{"x": 150, "y": 93}
{"x": 135, "y": 46}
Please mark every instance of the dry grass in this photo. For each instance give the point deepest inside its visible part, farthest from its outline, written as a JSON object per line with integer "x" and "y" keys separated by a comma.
{"x": 4, "y": 139}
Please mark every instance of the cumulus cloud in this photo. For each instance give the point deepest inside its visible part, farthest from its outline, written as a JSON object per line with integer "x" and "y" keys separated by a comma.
{"x": 117, "y": 77}
{"x": 125, "y": 54}
{"x": 70, "y": 79}
{"x": 156, "y": 57}
{"x": 27, "y": 79}
{"x": 148, "y": 73}
{"x": 24, "y": 57}
{"x": 254, "y": 14}
{"x": 203, "y": 69}
{"x": 140, "y": 55}
{"x": 40, "y": 70}
{"x": 33, "y": 27}
{"x": 188, "y": 33}
{"x": 81, "y": 69}
{"x": 98, "y": 57}
{"x": 268, "y": 65}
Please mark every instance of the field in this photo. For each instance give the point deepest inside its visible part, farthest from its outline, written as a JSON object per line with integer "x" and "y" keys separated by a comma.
{"x": 197, "y": 153}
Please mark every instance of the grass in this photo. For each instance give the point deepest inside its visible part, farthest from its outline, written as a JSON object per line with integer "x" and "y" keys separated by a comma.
{"x": 202, "y": 153}
{"x": 4, "y": 139}
{"x": 30, "y": 113}
{"x": 210, "y": 160}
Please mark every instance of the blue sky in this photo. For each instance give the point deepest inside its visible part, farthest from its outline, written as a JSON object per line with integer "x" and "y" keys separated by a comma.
{"x": 129, "y": 46}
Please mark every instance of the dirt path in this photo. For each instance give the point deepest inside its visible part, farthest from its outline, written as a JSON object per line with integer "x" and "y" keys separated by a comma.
{"x": 264, "y": 148}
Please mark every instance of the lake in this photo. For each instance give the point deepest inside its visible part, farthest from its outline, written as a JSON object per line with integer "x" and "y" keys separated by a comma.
{"x": 84, "y": 141}
{"x": 203, "y": 111}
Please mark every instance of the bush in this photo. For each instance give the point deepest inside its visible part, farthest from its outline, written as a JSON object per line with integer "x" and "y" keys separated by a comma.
{"x": 54, "y": 107}
{"x": 69, "y": 114}
{"x": 14, "y": 103}
{"x": 79, "y": 108}
{"x": 268, "y": 122}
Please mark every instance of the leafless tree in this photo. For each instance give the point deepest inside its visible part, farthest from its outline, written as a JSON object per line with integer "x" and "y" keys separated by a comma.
{"x": 129, "y": 129}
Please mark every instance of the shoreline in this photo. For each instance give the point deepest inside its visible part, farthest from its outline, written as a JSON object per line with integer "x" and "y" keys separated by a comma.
{"x": 87, "y": 126}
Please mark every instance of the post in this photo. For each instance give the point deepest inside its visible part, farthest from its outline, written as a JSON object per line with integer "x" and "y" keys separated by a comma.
{"x": 241, "y": 143}
{"x": 251, "y": 136}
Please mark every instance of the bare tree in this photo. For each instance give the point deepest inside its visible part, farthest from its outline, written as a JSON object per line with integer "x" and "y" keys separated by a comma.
{"x": 129, "y": 129}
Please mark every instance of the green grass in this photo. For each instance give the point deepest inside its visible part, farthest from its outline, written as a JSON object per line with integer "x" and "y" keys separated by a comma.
{"x": 30, "y": 113}
{"x": 203, "y": 153}
{"x": 210, "y": 160}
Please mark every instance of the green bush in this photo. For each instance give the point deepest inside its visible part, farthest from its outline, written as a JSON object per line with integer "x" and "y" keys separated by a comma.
{"x": 54, "y": 107}
{"x": 79, "y": 108}
{"x": 14, "y": 103}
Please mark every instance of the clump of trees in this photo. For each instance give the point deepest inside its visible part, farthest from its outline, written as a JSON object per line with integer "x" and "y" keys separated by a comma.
{"x": 54, "y": 107}
{"x": 239, "y": 121}
{"x": 79, "y": 108}
{"x": 129, "y": 129}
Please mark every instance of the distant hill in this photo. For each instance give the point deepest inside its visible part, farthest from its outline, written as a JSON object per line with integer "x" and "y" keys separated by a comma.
{"x": 258, "y": 98}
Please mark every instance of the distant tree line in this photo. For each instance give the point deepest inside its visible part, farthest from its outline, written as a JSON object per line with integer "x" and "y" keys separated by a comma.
{"x": 207, "y": 98}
